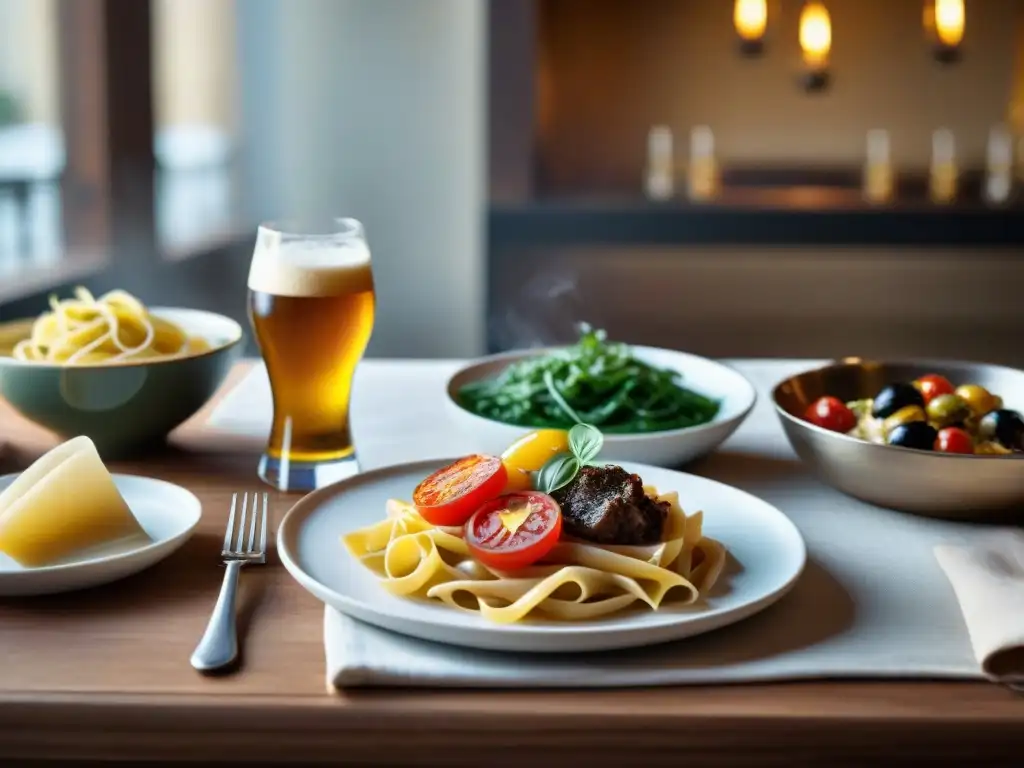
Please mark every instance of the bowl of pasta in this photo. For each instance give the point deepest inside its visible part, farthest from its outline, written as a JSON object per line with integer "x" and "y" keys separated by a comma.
{"x": 113, "y": 369}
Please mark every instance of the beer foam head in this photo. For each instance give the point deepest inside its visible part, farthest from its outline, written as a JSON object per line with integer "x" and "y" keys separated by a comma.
{"x": 310, "y": 267}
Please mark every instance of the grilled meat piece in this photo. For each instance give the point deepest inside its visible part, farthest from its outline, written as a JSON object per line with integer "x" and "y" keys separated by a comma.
{"x": 608, "y": 505}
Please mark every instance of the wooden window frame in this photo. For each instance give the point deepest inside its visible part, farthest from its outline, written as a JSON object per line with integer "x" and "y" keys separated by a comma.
{"x": 106, "y": 98}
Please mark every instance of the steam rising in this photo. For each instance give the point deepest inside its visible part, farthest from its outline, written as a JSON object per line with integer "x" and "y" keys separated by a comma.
{"x": 547, "y": 311}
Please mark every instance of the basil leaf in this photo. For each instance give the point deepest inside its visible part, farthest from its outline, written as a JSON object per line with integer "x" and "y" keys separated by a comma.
{"x": 557, "y": 472}
{"x": 585, "y": 442}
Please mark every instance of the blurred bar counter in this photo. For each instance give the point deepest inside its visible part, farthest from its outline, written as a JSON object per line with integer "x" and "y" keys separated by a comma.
{"x": 765, "y": 207}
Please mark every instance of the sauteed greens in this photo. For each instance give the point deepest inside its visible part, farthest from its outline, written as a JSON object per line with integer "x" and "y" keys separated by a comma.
{"x": 594, "y": 381}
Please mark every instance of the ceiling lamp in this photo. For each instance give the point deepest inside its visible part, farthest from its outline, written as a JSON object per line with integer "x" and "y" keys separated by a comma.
{"x": 751, "y": 19}
{"x": 944, "y": 21}
{"x": 815, "y": 44}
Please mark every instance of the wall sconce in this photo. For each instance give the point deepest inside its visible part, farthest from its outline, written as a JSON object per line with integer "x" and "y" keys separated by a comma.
{"x": 750, "y": 18}
{"x": 815, "y": 44}
{"x": 944, "y": 22}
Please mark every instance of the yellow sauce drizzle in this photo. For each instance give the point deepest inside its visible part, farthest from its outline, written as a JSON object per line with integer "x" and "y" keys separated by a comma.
{"x": 518, "y": 513}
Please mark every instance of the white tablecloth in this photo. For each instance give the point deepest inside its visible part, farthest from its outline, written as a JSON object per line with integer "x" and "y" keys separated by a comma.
{"x": 872, "y": 603}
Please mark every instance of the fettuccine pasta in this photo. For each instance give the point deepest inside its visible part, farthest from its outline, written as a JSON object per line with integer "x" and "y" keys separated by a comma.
{"x": 116, "y": 327}
{"x": 575, "y": 581}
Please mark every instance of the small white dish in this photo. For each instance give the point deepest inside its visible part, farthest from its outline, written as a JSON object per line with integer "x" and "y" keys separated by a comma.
{"x": 767, "y": 555}
{"x": 167, "y": 512}
{"x": 669, "y": 448}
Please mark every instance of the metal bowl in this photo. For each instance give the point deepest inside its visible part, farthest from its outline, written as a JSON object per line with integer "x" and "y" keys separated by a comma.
{"x": 961, "y": 487}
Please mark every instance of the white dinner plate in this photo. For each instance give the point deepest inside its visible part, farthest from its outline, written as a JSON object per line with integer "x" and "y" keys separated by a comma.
{"x": 766, "y": 549}
{"x": 167, "y": 512}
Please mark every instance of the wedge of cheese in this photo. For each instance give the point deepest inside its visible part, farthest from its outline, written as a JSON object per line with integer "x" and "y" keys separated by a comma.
{"x": 65, "y": 504}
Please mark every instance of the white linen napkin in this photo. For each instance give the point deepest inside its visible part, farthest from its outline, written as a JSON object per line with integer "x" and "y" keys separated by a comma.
{"x": 988, "y": 578}
{"x": 856, "y": 612}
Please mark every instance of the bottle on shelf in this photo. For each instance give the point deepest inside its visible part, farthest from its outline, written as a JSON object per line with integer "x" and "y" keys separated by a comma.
{"x": 659, "y": 179}
{"x": 703, "y": 176}
{"x": 999, "y": 166}
{"x": 943, "y": 177}
{"x": 878, "y": 173}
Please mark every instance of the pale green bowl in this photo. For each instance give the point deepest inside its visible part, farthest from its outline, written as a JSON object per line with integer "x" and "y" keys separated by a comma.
{"x": 125, "y": 407}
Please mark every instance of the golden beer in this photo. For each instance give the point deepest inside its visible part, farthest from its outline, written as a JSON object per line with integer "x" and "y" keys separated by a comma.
{"x": 311, "y": 305}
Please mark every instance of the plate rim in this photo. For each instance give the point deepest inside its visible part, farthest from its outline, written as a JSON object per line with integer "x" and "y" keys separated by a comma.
{"x": 116, "y": 556}
{"x": 304, "y": 507}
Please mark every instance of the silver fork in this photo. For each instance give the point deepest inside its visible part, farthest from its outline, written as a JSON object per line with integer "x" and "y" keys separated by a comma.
{"x": 219, "y": 645}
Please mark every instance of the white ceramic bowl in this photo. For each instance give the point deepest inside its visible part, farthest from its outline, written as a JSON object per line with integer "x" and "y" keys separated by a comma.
{"x": 670, "y": 448}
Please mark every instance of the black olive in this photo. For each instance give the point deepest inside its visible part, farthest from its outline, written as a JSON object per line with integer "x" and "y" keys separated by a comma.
{"x": 1004, "y": 426}
{"x": 893, "y": 397}
{"x": 914, "y": 434}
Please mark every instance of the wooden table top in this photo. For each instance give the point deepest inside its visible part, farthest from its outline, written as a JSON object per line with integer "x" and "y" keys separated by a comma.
{"x": 104, "y": 674}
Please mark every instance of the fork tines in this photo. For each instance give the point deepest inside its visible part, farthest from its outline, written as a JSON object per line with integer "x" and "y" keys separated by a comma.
{"x": 257, "y": 522}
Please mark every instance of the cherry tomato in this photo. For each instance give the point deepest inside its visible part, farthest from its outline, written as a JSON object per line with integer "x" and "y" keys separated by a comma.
{"x": 933, "y": 385}
{"x": 954, "y": 440}
{"x": 451, "y": 494}
{"x": 514, "y": 530}
{"x": 529, "y": 453}
{"x": 831, "y": 413}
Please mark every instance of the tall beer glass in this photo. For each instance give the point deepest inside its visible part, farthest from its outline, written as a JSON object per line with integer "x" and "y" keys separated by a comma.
{"x": 311, "y": 305}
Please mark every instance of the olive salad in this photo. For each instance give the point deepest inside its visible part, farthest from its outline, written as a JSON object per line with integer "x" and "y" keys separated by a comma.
{"x": 928, "y": 414}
